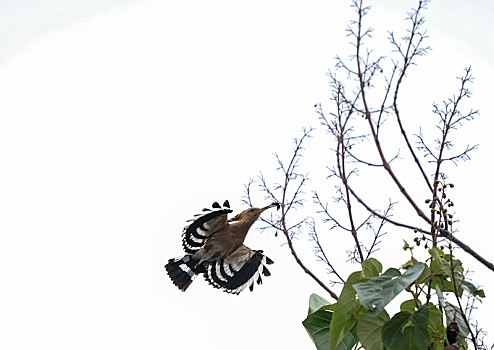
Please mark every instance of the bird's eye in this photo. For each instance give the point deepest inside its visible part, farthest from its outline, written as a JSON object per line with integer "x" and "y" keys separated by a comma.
{"x": 251, "y": 211}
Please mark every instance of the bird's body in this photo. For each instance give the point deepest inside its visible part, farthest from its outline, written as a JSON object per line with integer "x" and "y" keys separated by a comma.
{"x": 223, "y": 242}
{"x": 214, "y": 247}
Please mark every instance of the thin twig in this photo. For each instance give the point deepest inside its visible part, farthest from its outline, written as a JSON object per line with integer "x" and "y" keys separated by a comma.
{"x": 362, "y": 82}
{"x": 285, "y": 230}
{"x": 411, "y": 51}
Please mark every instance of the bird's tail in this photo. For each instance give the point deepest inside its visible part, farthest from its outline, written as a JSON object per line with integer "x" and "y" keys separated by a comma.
{"x": 182, "y": 271}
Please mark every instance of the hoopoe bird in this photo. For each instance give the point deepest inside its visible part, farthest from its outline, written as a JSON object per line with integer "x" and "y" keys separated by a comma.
{"x": 214, "y": 247}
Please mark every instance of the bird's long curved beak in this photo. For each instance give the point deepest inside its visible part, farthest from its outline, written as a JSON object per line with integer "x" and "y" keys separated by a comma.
{"x": 272, "y": 205}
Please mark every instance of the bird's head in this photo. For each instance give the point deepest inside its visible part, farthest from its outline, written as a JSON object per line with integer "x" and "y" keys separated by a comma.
{"x": 250, "y": 215}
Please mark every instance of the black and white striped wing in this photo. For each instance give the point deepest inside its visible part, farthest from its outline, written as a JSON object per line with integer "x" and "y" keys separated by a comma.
{"x": 203, "y": 225}
{"x": 238, "y": 270}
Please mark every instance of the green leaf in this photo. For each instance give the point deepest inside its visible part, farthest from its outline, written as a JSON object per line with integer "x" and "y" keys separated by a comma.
{"x": 349, "y": 340}
{"x": 437, "y": 267}
{"x": 369, "y": 330}
{"x": 379, "y": 291}
{"x": 316, "y": 302}
{"x": 406, "y": 245}
{"x": 406, "y": 331}
{"x": 472, "y": 289}
{"x": 443, "y": 284}
{"x": 436, "y": 254}
{"x": 437, "y": 330}
{"x": 371, "y": 268}
{"x": 408, "y": 305}
{"x": 346, "y": 311}
{"x": 409, "y": 263}
{"x": 453, "y": 313}
{"x": 456, "y": 263}
{"x": 425, "y": 276}
{"x": 317, "y": 326}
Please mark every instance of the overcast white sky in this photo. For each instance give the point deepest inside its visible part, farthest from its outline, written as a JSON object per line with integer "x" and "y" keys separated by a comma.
{"x": 121, "y": 119}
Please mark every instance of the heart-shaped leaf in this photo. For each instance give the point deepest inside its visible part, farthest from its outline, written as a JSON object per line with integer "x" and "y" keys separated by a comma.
{"x": 379, "y": 291}
{"x": 369, "y": 330}
{"x": 406, "y": 331}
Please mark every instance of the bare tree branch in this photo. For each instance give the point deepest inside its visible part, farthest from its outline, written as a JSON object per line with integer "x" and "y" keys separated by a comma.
{"x": 413, "y": 49}
{"x": 362, "y": 81}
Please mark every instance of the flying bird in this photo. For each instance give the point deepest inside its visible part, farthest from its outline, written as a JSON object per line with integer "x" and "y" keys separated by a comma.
{"x": 214, "y": 247}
